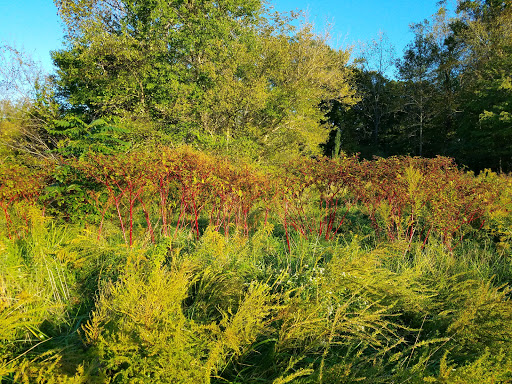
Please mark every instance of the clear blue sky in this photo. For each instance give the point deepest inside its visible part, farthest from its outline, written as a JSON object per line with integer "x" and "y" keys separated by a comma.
{"x": 34, "y": 25}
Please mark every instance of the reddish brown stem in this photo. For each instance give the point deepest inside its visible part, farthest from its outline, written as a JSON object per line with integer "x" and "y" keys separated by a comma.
{"x": 7, "y": 219}
{"x": 148, "y": 221}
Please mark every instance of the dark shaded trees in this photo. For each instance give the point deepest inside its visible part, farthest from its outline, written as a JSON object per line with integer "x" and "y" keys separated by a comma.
{"x": 429, "y": 84}
{"x": 483, "y": 33}
{"x": 369, "y": 127}
{"x": 453, "y": 95}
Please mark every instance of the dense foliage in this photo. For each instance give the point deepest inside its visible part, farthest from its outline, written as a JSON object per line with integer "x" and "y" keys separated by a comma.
{"x": 175, "y": 266}
{"x": 450, "y": 94}
{"x": 219, "y": 75}
{"x": 233, "y": 78}
{"x": 167, "y": 215}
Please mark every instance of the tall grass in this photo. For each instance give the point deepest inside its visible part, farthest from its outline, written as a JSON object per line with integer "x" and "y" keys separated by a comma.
{"x": 242, "y": 298}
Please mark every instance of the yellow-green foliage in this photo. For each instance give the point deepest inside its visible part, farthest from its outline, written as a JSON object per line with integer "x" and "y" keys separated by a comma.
{"x": 500, "y": 222}
{"x": 489, "y": 368}
{"x": 246, "y": 301}
{"x": 355, "y": 269}
{"x": 138, "y": 328}
{"x": 141, "y": 334}
{"x": 481, "y": 315}
{"x": 244, "y": 307}
{"x": 16, "y": 318}
{"x": 34, "y": 289}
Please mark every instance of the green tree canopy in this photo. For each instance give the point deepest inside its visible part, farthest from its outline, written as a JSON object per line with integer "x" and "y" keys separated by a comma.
{"x": 219, "y": 74}
{"x": 483, "y": 32}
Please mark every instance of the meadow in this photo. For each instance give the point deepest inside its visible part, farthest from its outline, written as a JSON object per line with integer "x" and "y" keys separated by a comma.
{"x": 180, "y": 267}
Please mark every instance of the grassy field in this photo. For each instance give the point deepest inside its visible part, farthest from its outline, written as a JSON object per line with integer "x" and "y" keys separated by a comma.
{"x": 179, "y": 267}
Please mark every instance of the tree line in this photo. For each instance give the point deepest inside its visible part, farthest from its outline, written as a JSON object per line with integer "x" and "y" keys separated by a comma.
{"x": 451, "y": 95}
{"x": 235, "y": 78}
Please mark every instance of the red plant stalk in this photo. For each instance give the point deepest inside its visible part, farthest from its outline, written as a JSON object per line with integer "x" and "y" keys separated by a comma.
{"x": 25, "y": 218}
{"x": 287, "y": 237}
{"x": 328, "y": 217}
{"x": 195, "y": 216}
{"x": 301, "y": 223}
{"x": 7, "y": 219}
{"x": 412, "y": 227}
{"x": 220, "y": 208}
{"x": 103, "y": 217}
{"x": 214, "y": 217}
{"x": 148, "y": 221}
{"x": 226, "y": 221}
{"x": 426, "y": 237}
{"x": 130, "y": 201}
{"x": 410, "y": 238}
{"x": 163, "y": 192}
{"x": 116, "y": 200}
{"x": 330, "y": 224}
{"x": 322, "y": 216}
{"x": 343, "y": 217}
{"x": 239, "y": 216}
{"x": 133, "y": 197}
{"x": 299, "y": 227}
{"x": 236, "y": 216}
{"x": 226, "y": 217}
{"x": 246, "y": 224}
{"x": 372, "y": 216}
{"x": 183, "y": 207}
{"x": 445, "y": 238}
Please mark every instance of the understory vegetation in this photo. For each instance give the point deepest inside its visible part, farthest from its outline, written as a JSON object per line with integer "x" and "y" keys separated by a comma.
{"x": 168, "y": 215}
{"x": 181, "y": 267}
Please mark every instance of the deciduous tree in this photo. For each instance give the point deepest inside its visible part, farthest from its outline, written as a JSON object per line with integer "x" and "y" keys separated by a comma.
{"x": 222, "y": 75}
{"x": 484, "y": 34}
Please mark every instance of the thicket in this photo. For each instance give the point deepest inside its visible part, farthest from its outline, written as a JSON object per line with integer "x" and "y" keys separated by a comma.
{"x": 177, "y": 266}
{"x": 128, "y": 257}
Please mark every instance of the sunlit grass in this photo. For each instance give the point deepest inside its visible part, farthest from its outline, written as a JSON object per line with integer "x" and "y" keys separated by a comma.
{"x": 256, "y": 303}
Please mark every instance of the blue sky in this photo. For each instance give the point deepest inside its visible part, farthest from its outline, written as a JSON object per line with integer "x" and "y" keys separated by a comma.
{"x": 34, "y": 26}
